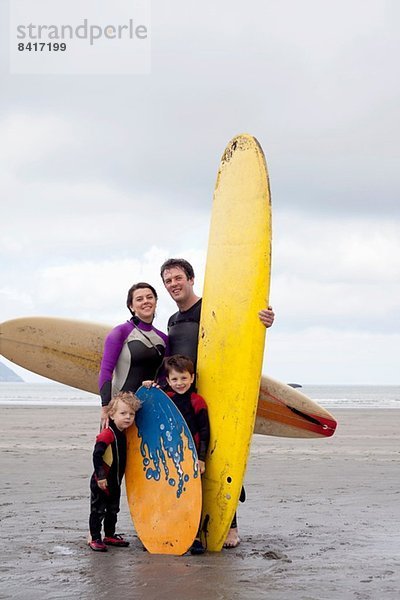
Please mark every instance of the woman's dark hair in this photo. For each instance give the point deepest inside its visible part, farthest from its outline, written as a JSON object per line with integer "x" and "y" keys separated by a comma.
{"x": 138, "y": 286}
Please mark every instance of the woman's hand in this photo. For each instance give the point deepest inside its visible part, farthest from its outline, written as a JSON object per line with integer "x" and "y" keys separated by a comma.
{"x": 202, "y": 466}
{"x": 104, "y": 422}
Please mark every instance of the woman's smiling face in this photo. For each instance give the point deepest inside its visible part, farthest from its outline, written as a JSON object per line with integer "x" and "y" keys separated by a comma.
{"x": 144, "y": 304}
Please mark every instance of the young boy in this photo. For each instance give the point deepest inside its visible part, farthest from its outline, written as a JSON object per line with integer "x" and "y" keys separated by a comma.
{"x": 109, "y": 460}
{"x": 180, "y": 375}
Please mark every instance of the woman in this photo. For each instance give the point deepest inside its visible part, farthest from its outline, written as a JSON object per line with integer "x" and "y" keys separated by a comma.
{"x": 133, "y": 351}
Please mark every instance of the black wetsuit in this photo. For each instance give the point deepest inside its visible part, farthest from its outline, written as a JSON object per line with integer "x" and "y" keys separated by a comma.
{"x": 183, "y": 332}
{"x": 109, "y": 461}
{"x": 193, "y": 409}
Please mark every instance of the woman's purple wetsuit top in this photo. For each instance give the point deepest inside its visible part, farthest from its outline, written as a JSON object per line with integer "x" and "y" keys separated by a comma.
{"x": 133, "y": 352}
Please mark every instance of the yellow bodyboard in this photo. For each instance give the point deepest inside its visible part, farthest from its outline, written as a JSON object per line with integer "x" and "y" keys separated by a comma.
{"x": 231, "y": 338}
{"x": 162, "y": 477}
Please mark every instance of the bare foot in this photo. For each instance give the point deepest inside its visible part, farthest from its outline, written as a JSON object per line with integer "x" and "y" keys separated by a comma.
{"x": 89, "y": 539}
{"x": 232, "y": 539}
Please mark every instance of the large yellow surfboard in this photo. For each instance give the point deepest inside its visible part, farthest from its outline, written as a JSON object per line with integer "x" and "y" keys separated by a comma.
{"x": 69, "y": 351}
{"x": 231, "y": 339}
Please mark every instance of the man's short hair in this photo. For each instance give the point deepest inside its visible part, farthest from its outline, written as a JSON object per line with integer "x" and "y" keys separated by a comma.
{"x": 180, "y": 263}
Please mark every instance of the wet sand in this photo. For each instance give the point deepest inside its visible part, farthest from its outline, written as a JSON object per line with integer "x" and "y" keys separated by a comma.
{"x": 321, "y": 520}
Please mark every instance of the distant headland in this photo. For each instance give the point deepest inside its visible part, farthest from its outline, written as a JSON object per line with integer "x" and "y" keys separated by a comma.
{"x": 7, "y": 374}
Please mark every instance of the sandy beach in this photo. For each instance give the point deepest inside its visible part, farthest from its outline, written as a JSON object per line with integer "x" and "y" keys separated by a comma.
{"x": 321, "y": 520}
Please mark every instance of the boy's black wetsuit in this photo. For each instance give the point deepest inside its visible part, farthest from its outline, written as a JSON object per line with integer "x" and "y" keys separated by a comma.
{"x": 109, "y": 460}
{"x": 183, "y": 336}
{"x": 193, "y": 409}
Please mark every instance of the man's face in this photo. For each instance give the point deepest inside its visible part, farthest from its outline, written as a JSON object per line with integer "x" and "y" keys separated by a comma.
{"x": 179, "y": 287}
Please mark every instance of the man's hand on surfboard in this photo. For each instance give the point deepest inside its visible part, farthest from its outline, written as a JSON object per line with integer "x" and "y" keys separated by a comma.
{"x": 267, "y": 316}
{"x": 202, "y": 467}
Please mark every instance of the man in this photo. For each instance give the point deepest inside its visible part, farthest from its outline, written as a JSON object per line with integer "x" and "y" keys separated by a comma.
{"x": 183, "y": 329}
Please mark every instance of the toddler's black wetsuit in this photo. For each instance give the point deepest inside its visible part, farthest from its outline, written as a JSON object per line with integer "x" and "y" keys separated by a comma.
{"x": 109, "y": 460}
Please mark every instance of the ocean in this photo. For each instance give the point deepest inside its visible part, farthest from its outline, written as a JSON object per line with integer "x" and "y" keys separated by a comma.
{"x": 328, "y": 396}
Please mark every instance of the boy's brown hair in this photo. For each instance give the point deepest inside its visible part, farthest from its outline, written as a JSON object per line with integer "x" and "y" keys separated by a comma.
{"x": 178, "y": 363}
{"x": 128, "y": 397}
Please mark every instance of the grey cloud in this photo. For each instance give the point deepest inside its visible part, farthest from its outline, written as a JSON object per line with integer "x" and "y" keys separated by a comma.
{"x": 318, "y": 93}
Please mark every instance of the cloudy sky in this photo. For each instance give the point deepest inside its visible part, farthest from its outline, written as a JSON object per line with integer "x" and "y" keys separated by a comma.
{"x": 102, "y": 177}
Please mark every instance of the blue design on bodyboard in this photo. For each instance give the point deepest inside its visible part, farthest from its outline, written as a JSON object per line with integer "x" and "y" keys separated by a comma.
{"x": 161, "y": 429}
